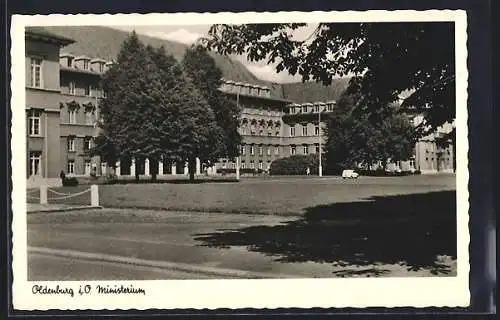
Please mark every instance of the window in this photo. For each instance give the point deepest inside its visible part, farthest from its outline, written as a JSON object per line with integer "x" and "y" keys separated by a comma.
{"x": 103, "y": 168}
{"x": 243, "y": 164}
{"x": 269, "y": 151}
{"x": 36, "y": 72}
{"x": 88, "y": 90}
{"x": 292, "y": 131}
{"x": 242, "y": 150}
{"x": 270, "y": 133}
{"x": 293, "y": 150}
{"x": 34, "y": 165}
{"x": 252, "y": 165}
{"x": 224, "y": 165}
{"x": 70, "y": 62}
{"x": 85, "y": 64}
{"x": 276, "y": 150}
{"x": 268, "y": 164}
{"x": 329, "y": 107}
{"x": 277, "y": 133}
{"x": 251, "y": 150}
{"x": 89, "y": 117}
{"x": 306, "y": 149}
{"x": 71, "y": 86}
{"x": 316, "y": 130}
{"x": 260, "y": 150}
{"x": 72, "y": 116}
{"x": 304, "y": 130}
{"x": 316, "y": 147}
{"x": 88, "y": 167}
{"x": 292, "y": 110}
{"x": 87, "y": 143}
{"x": 71, "y": 144}
{"x": 71, "y": 166}
{"x": 260, "y": 164}
{"x": 101, "y": 67}
{"x": 34, "y": 122}
{"x": 316, "y": 108}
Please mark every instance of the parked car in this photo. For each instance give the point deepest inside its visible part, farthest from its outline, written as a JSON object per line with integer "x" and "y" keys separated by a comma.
{"x": 349, "y": 174}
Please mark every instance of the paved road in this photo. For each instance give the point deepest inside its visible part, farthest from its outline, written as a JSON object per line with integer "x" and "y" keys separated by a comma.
{"x": 137, "y": 244}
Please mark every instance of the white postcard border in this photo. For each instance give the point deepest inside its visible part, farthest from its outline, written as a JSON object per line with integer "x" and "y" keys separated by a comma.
{"x": 212, "y": 294}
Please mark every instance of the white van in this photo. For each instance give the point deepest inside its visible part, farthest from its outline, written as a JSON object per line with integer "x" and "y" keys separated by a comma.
{"x": 349, "y": 174}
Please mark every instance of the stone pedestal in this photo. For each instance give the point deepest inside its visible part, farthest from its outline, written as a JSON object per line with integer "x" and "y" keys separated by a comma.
{"x": 146, "y": 167}
{"x": 186, "y": 169}
{"x": 118, "y": 169}
{"x": 198, "y": 166}
{"x": 132, "y": 168}
{"x": 174, "y": 169}
{"x": 160, "y": 168}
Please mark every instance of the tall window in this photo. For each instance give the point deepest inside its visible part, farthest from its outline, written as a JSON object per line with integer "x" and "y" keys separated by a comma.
{"x": 260, "y": 150}
{"x": 292, "y": 109}
{"x": 101, "y": 67}
{"x": 269, "y": 150}
{"x": 276, "y": 150}
{"x": 88, "y": 90}
{"x": 316, "y": 108}
{"x": 87, "y": 143}
{"x": 70, "y": 62}
{"x": 260, "y": 164}
{"x": 252, "y": 165}
{"x": 316, "y": 146}
{"x": 35, "y": 157}
{"x": 304, "y": 129}
{"x": 242, "y": 150}
{"x": 251, "y": 150}
{"x": 85, "y": 64}
{"x": 36, "y": 72}
{"x": 292, "y": 131}
{"x": 243, "y": 164}
{"x": 316, "y": 130}
{"x": 88, "y": 167}
{"x": 34, "y": 122}
{"x": 71, "y": 166}
{"x": 329, "y": 107}
{"x": 306, "y": 149}
{"x": 71, "y": 144}
{"x": 293, "y": 150}
{"x": 72, "y": 116}
{"x": 89, "y": 117}
{"x": 71, "y": 86}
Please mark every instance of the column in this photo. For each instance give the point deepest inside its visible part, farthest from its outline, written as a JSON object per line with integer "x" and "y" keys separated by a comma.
{"x": 160, "y": 168}
{"x": 186, "y": 169}
{"x": 146, "y": 167}
{"x": 174, "y": 169}
{"x": 132, "y": 168}
{"x": 198, "y": 166}
{"x": 118, "y": 169}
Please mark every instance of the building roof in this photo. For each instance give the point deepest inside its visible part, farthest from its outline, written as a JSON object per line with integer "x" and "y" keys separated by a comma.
{"x": 41, "y": 34}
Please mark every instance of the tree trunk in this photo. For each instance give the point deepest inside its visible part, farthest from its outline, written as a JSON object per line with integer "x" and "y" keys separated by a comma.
{"x": 191, "y": 169}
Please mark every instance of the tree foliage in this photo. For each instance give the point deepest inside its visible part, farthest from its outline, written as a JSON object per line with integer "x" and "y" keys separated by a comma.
{"x": 352, "y": 139}
{"x": 207, "y": 78}
{"x": 153, "y": 110}
{"x": 383, "y": 59}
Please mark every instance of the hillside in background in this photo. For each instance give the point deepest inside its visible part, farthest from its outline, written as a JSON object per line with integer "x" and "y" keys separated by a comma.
{"x": 104, "y": 42}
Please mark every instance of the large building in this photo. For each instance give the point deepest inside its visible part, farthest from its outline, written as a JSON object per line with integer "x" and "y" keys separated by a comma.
{"x": 62, "y": 110}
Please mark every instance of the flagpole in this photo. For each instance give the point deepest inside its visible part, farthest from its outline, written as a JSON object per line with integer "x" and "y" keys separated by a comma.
{"x": 238, "y": 157}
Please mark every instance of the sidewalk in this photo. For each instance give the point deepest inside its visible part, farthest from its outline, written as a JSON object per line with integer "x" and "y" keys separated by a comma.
{"x": 36, "y": 207}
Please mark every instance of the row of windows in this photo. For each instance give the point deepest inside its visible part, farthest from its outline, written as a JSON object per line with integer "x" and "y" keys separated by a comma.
{"x": 305, "y": 109}
{"x": 35, "y": 164}
{"x": 293, "y": 150}
{"x": 70, "y": 64}
{"x": 305, "y": 131}
{"x": 34, "y": 116}
{"x": 252, "y": 164}
{"x": 87, "y": 143}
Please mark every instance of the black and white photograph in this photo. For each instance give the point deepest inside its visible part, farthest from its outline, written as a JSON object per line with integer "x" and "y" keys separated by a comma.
{"x": 292, "y": 159}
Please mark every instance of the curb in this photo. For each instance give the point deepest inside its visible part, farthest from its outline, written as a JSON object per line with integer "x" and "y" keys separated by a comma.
{"x": 63, "y": 209}
{"x": 183, "y": 267}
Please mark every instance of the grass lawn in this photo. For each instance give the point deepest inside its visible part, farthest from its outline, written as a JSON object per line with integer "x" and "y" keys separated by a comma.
{"x": 270, "y": 195}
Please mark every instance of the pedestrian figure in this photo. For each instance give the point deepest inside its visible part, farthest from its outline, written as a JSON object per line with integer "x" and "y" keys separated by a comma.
{"x": 308, "y": 171}
{"x": 62, "y": 175}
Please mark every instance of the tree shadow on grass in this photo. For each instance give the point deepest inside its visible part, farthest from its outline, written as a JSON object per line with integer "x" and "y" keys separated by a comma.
{"x": 411, "y": 230}
{"x": 175, "y": 181}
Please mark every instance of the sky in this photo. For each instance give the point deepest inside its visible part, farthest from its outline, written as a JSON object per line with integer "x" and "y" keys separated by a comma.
{"x": 188, "y": 34}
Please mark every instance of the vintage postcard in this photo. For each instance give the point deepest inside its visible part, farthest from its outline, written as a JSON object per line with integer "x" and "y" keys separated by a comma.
{"x": 240, "y": 160}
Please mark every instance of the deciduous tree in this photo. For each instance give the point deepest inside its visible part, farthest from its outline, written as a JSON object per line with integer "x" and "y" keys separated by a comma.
{"x": 383, "y": 59}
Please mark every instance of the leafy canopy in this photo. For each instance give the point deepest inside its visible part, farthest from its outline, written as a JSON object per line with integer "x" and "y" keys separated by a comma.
{"x": 353, "y": 139}
{"x": 383, "y": 59}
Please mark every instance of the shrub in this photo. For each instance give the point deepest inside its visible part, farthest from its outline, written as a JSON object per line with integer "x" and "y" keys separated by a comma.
{"x": 70, "y": 182}
{"x": 295, "y": 165}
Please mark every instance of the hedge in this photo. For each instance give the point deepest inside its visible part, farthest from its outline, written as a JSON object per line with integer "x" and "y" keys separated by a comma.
{"x": 295, "y": 165}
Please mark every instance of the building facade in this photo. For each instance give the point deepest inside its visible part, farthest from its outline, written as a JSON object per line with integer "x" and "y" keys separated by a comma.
{"x": 62, "y": 110}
